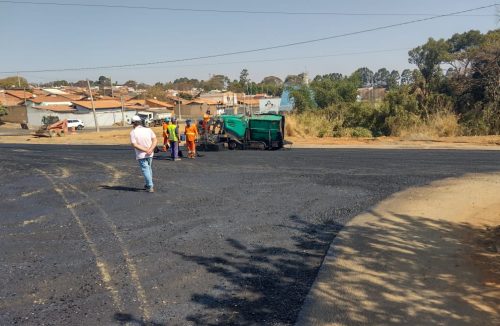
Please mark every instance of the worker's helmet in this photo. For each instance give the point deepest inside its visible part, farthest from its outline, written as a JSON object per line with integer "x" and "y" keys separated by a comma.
{"x": 174, "y": 119}
{"x": 188, "y": 121}
{"x": 167, "y": 119}
{"x": 136, "y": 119}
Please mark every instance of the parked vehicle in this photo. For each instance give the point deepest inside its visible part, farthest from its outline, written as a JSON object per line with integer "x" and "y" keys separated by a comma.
{"x": 76, "y": 123}
{"x": 153, "y": 118}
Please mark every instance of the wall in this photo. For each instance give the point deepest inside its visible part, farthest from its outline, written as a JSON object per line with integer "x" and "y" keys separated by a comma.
{"x": 15, "y": 114}
{"x": 195, "y": 111}
{"x": 269, "y": 105}
{"x": 105, "y": 118}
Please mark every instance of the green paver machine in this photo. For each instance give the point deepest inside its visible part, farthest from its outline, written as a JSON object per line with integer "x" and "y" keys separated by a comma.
{"x": 263, "y": 131}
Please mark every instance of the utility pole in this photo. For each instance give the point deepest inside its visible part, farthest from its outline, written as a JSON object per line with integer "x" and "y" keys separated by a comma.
{"x": 18, "y": 81}
{"x": 93, "y": 108}
{"x": 111, "y": 84}
{"x": 123, "y": 111}
{"x": 179, "y": 101}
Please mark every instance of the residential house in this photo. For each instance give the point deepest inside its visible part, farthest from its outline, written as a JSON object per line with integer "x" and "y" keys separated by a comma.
{"x": 13, "y": 102}
{"x": 227, "y": 99}
{"x": 108, "y": 112}
{"x": 371, "y": 94}
{"x": 196, "y": 108}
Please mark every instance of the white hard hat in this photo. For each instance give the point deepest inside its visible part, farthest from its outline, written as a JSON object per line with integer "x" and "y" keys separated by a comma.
{"x": 136, "y": 118}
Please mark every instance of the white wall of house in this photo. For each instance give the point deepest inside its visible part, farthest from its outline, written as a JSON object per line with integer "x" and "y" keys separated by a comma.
{"x": 105, "y": 118}
{"x": 227, "y": 98}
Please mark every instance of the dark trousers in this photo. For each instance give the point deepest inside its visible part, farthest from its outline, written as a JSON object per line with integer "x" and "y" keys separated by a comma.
{"x": 174, "y": 149}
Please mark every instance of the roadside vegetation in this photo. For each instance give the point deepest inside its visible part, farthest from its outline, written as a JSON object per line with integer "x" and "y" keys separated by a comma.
{"x": 455, "y": 90}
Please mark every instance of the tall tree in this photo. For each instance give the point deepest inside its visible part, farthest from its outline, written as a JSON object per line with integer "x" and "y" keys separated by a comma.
{"x": 272, "y": 80}
{"x": 381, "y": 77}
{"x": 406, "y": 77}
{"x": 244, "y": 77}
{"x": 13, "y": 82}
{"x": 393, "y": 79}
{"x": 428, "y": 58}
{"x": 365, "y": 76}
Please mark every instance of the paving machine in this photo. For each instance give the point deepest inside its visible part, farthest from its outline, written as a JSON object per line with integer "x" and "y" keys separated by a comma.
{"x": 263, "y": 131}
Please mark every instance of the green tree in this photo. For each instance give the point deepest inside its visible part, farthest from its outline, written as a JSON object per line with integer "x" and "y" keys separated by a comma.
{"x": 219, "y": 82}
{"x": 381, "y": 78}
{"x": 157, "y": 91}
{"x": 393, "y": 79}
{"x": 272, "y": 80}
{"x": 428, "y": 58}
{"x": 130, "y": 83}
{"x": 13, "y": 82}
{"x": 2, "y": 110}
{"x": 365, "y": 76}
{"x": 303, "y": 98}
{"x": 406, "y": 77}
{"x": 244, "y": 77}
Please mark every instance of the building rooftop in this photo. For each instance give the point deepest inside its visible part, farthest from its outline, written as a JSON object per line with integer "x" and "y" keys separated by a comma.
{"x": 55, "y": 108}
{"x": 99, "y": 104}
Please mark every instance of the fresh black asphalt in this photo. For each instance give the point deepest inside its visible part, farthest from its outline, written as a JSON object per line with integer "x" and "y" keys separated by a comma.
{"x": 232, "y": 238}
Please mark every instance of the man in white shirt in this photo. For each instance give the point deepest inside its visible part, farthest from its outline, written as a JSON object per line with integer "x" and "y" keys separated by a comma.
{"x": 144, "y": 142}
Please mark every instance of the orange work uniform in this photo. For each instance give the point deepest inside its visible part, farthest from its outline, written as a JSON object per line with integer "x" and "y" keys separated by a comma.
{"x": 191, "y": 135}
{"x": 165, "y": 136}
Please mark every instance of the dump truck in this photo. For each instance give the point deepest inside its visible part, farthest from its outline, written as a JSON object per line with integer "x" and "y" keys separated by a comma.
{"x": 263, "y": 131}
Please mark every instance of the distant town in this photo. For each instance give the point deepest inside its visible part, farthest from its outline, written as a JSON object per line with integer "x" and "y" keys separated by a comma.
{"x": 114, "y": 105}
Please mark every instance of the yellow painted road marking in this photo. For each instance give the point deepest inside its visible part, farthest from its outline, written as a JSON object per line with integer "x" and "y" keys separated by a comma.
{"x": 100, "y": 262}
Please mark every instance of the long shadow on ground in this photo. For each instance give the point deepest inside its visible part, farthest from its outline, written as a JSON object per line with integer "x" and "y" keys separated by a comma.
{"x": 265, "y": 285}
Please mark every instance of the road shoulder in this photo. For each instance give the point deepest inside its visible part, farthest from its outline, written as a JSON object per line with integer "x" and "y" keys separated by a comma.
{"x": 416, "y": 259}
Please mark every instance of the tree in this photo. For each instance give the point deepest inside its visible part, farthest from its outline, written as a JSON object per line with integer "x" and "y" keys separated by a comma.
{"x": 328, "y": 91}
{"x": 428, "y": 58}
{"x": 218, "y": 82}
{"x": 130, "y": 83}
{"x": 302, "y": 97}
{"x": 393, "y": 79}
{"x": 272, "y": 80}
{"x": 13, "y": 82}
{"x": 381, "y": 78}
{"x": 244, "y": 77}
{"x": 365, "y": 75}
{"x": 406, "y": 77}
{"x": 157, "y": 92}
{"x": 2, "y": 110}
{"x": 295, "y": 80}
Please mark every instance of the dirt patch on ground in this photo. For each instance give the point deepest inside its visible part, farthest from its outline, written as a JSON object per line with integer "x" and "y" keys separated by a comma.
{"x": 425, "y": 256}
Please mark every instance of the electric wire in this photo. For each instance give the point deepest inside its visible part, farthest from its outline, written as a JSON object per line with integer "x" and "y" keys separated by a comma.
{"x": 280, "y": 46}
{"x": 219, "y": 11}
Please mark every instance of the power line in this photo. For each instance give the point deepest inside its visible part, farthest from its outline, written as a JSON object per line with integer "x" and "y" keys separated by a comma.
{"x": 220, "y": 11}
{"x": 254, "y": 50}
{"x": 277, "y": 59}
{"x": 257, "y": 61}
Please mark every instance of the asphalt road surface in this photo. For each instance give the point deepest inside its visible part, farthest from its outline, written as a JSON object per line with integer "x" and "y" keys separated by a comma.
{"x": 230, "y": 238}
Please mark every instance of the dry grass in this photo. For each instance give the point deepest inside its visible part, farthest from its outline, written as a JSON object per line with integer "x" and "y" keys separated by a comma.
{"x": 440, "y": 124}
{"x": 308, "y": 124}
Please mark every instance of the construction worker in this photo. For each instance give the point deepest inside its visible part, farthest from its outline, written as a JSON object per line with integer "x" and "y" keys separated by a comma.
{"x": 165, "y": 134}
{"x": 191, "y": 132}
{"x": 206, "y": 126}
{"x": 173, "y": 138}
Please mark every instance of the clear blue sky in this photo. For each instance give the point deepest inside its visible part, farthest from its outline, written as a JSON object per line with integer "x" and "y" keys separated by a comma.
{"x": 50, "y": 37}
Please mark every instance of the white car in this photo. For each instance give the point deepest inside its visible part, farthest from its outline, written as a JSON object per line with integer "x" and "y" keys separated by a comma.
{"x": 76, "y": 123}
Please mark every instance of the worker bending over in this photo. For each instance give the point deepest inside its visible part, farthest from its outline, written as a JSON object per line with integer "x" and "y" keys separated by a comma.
{"x": 191, "y": 132}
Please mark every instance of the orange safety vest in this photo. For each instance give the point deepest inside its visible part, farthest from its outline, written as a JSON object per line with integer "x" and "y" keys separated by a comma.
{"x": 191, "y": 133}
{"x": 165, "y": 127}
